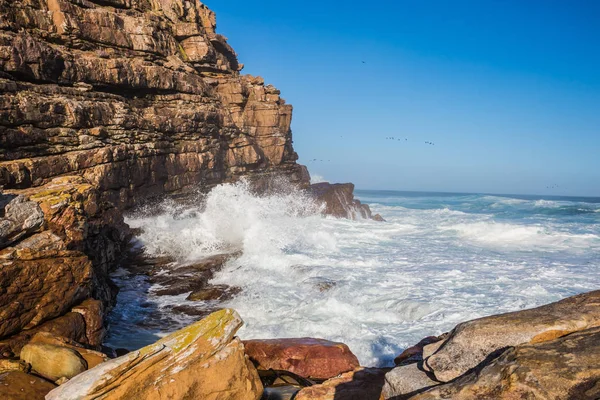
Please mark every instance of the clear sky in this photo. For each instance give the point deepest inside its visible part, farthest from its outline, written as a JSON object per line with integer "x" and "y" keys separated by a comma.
{"x": 507, "y": 90}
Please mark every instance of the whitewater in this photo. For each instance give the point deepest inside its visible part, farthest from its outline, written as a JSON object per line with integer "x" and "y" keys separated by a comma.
{"x": 439, "y": 259}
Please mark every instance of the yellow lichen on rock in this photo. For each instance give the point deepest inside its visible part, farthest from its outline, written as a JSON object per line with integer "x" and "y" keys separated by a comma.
{"x": 201, "y": 361}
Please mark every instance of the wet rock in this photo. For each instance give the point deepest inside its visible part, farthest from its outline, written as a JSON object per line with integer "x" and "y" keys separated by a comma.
{"x": 378, "y": 218}
{"x": 362, "y": 383}
{"x": 415, "y": 353}
{"x": 403, "y": 381}
{"x": 280, "y": 393}
{"x": 214, "y": 292}
{"x": 562, "y": 369}
{"x": 189, "y": 278}
{"x": 307, "y": 357}
{"x": 17, "y": 385}
{"x": 338, "y": 200}
{"x": 202, "y": 361}
{"x": 53, "y": 362}
{"x": 471, "y": 342}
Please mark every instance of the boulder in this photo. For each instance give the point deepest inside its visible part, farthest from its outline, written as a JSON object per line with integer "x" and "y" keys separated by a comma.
{"x": 202, "y": 361}
{"x": 306, "y": 357}
{"x": 360, "y": 384}
{"x": 91, "y": 357}
{"x": 53, "y": 362}
{"x": 470, "y": 343}
{"x": 17, "y": 385}
{"x": 566, "y": 368}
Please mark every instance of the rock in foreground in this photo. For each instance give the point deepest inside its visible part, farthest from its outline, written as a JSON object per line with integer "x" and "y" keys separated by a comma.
{"x": 307, "y": 357}
{"x": 202, "y": 361}
{"x": 562, "y": 369}
{"x": 471, "y": 342}
{"x": 541, "y": 353}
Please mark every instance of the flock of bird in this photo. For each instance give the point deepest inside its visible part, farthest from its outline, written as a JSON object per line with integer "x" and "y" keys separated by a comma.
{"x": 406, "y": 140}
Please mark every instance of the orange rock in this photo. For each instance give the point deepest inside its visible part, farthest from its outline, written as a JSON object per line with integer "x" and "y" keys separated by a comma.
{"x": 307, "y": 357}
{"x": 203, "y": 361}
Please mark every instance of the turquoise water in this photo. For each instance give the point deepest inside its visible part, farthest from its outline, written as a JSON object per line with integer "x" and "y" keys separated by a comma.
{"x": 439, "y": 259}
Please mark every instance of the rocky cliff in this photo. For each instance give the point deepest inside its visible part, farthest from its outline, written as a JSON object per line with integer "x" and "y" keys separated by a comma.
{"x": 139, "y": 97}
{"x": 103, "y": 105}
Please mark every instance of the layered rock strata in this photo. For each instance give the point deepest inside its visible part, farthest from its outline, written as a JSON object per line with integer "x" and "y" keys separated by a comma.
{"x": 139, "y": 97}
{"x": 58, "y": 265}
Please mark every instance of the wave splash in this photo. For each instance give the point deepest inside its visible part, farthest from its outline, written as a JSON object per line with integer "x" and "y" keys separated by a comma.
{"x": 230, "y": 218}
{"x": 378, "y": 287}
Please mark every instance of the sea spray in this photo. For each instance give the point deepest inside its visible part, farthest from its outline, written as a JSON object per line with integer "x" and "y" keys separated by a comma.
{"x": 379, "y": 287}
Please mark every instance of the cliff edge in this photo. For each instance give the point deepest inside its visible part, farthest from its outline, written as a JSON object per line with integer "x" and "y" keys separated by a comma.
{"x": 139, "y": 97}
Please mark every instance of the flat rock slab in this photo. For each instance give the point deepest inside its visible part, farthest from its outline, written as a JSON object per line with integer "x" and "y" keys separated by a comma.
{"x": 471, "y": 342}
{"x": 18, "y": 385}
{"x": 566, "y": 368}
{"x": 307, "y": 357}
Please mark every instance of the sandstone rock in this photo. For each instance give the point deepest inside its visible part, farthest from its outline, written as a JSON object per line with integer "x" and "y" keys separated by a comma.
{"x": 338, "y": 200}
{"x": 360, "y": 384}
{"x": 18, "y": 385}
{"x": 141, "y": 98}
{"x": 20, "y": 218}
{"x": 469, "y": 343}
{"x": 13, "y": 365}
{"x": 91, "y": 357}
{"x": 405, "y": 380}
{"x": 53, "y": 362}
{"x": 562, "y": 369}
{"x": 70, "y": 326}
{"x": 202, "y": 361}
{"x": 307, "y": 357}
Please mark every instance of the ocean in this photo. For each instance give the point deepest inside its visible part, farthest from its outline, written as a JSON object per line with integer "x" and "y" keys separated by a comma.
{"x": 439, "y": 259}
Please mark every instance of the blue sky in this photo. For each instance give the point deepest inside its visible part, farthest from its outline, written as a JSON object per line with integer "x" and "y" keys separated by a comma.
{"x": 509, "y": 91}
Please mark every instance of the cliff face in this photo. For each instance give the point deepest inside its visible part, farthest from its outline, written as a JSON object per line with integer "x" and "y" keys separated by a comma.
{"x": 139, "y": 97}
{"x": 103, "y": 104}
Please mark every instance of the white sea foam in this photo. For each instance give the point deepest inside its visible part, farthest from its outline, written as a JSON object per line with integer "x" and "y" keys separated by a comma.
{"x": 379, "y": 287}
{"x": 314, "y": 178}
{"x": 533, "y": 237}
